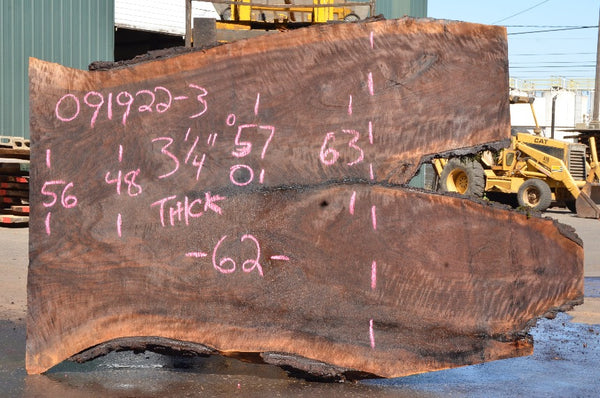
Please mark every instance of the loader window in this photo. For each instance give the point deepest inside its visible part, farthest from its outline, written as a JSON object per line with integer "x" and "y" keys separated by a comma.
{"x": 509, "y": 159}
{"x": 558, "y": 153}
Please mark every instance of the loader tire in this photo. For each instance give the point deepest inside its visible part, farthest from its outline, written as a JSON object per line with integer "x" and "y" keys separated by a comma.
{"x": 463, "y": 176}
{"x": 535, "y": 194}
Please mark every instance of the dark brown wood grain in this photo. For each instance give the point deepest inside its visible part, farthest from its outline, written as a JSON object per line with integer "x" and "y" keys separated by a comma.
{"x": 262, "y": 220}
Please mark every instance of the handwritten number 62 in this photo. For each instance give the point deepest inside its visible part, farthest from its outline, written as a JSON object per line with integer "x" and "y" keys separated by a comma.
{"x": 226, "y": 265}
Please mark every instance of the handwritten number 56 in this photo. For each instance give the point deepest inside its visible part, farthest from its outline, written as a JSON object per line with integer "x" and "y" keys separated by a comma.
{"x": 67, "y": 201}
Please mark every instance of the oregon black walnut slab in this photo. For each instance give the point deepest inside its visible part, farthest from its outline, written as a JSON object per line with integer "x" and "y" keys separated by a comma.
{"x": 244, "y": 199}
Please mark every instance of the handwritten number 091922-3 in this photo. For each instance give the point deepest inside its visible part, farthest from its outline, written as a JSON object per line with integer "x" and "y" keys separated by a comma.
{"x": 68, "y": 107}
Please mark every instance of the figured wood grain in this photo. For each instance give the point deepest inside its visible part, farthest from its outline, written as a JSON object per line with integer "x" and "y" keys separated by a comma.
{"x": 259, "y": 214}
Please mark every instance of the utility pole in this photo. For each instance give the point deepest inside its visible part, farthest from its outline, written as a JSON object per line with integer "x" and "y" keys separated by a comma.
{"x": 595, "y": 122}
{"x": 188, "y": 23}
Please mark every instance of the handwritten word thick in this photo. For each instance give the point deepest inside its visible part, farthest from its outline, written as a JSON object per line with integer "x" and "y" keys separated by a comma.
{"x": 183, "y": 211}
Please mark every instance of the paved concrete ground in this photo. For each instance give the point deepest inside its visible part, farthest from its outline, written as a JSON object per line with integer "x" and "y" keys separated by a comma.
{"x": 565, "y": 363}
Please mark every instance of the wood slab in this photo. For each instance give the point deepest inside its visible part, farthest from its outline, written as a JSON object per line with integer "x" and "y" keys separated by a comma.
{"x": 258, "y": 213}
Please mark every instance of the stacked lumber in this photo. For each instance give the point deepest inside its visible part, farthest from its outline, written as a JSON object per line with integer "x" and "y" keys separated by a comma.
{"x": 14, "y": 181}
{"x": 248, "y": 201}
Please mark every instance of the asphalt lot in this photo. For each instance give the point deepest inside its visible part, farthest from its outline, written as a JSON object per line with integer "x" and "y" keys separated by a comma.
{"x": 566, "y": 359}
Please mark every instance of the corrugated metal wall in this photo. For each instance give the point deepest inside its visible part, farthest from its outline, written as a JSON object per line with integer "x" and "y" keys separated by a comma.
{"x": 398, "y": 8}
{"x": 71, "y": 32}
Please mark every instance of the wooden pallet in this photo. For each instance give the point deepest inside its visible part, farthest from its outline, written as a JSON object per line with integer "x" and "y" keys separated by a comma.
{"x": 9, "y": 220}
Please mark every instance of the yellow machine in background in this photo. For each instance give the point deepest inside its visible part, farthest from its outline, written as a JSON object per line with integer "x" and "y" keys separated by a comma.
{"x": 536, "y": 169}
{"x": 321, "y": 11}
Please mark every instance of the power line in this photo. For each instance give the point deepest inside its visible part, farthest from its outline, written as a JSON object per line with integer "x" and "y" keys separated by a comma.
{"x": 552, "y": 54}
{"x": 551, "y": 30}
{"x": 521, "y": 12}
{"x": 542, "y": 26}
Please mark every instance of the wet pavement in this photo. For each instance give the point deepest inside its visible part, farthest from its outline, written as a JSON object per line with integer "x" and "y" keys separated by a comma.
{"x": 565, "y": 363}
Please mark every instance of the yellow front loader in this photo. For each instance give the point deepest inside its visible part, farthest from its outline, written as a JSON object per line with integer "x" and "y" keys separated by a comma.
{"x": 536, "y": 169}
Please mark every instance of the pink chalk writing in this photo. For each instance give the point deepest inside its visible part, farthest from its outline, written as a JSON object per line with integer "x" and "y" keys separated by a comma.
{"x": 119, "y": 224}
{"x": 230, "y": 121}
{"x": 161, "y": 107}
{"x": 243, "y": 148}
{"x": 183, "y": 211}
{"x": 257, "y": 104}
{"x": 48, "y": 154}
{"x": 253, "y": 264}
{"x": 210, "y": 202}
{"x": 327, "y": 155}
{"x": 374, "y": 216}
{"x": 126, "y": 103}
{"x": 371, "y": 173}
{"x": 191, "y": 150}
{"x": 280, "y": 258}
{"x": 352, "y": 144}
{"x": 246, "y": 146}
{"x": 370, "y": 132}
{"x": 261, "y": 177}
{"x": 212, "y": 138}
{"x": 330, "y": 155}
{"x": 47, "y": 222}
{"x": 68, "y": 107}
{"x": 67, "y": 201}
{"x": 373, "y": 275}
{"x": 59, "y": 115}
{"x": 164, "y": 150}
{"x": 110, "y": 106}
{"x": 372, "y": 42}
{"x": 198, "y": 165}
{"x": 196, "y": 254}
{"x": 201, "y": 100}
{"x": 97, "y": 105}
{"x": 371, "y": 334}
{"x": 224, "y": 260}
{"x": 248, "y": 175}
{"x": 146, "y": 107}
{"x": 350, "y": 105}
{"x": 186, "y": 160}
{"x": 133, "y": 189}
{"x": 370, "y": 83}
{"x": 227, "y": 265}
{"x": 352, "y": 202}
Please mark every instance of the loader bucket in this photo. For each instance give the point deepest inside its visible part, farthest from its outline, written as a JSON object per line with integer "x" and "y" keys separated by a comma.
{"x": 588, "y": 202}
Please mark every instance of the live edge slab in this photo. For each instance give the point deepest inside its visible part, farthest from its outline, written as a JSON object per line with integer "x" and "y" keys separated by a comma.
{"x": 247, "y": 200}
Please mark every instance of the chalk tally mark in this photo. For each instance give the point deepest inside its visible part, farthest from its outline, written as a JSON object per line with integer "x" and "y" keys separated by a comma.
{"x": 374, "y": 216}
{"x": 256, "y": 105}
{"x": 119, "y": 224}
{"x": 373, "y": 275}
{"x": 371, "y": 334}
{"x": 196, "y": 254}
{"x": 47, "y": 223}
